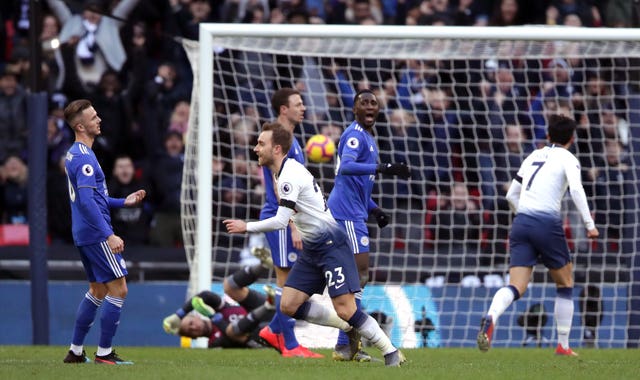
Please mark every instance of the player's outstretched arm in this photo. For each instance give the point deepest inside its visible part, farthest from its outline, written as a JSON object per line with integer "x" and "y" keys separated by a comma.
{"x": 134, "y": 198}
{"x": 398, "y": 169}
{"x": 235, "y": 226}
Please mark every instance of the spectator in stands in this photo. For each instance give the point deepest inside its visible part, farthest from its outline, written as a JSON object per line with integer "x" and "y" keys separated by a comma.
{"x": 189, "y": 14}
{"x": 584, "y": 10}
{"x": 51, "y": 55}
{"x": 179, "y": 120}
{"x": 415, "y": 76}
{"x": 96, "y": 38}
{"x": 165, "y": 183}
{"x": 161, "y": 95}
{"x": 440, "y": 137}
{"x": 506, "y": 13}
{"x": 131, "y": 223}
{"x": 435, "y": 12}
{"x": 402, "y": 198}
{"x": 15, "y": 191}
{"x": 506, "y": 165}
{"x": 456, "y": 227}
{"x": 59, "y": 140}
{"x": 614, "y": 126}
{"x": 614, "y": 183}
{"x": 470, "y": 13}
{"x": 3, "y": 180}
{"x": 13, "y": 123}
{"x": 622, "y": 14}
{"x": 58, "y": 207}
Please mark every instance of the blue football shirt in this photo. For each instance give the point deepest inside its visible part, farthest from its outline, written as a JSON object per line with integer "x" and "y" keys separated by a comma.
{"x": 349, "y": 199}
{"x": 90, "y": 217}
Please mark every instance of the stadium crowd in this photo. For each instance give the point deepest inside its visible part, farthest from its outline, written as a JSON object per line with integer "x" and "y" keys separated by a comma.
{"x": 141, "y": 85}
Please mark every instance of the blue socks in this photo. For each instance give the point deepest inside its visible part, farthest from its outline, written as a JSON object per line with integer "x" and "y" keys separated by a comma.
{"x": 343, "y": 339}
{"x": 84, "y": 318}
{"x": 283, "y": 324}
{"x": 109, "y": 320}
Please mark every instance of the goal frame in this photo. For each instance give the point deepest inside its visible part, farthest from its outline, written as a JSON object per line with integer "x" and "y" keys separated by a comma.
{"x": 207, "y": 31}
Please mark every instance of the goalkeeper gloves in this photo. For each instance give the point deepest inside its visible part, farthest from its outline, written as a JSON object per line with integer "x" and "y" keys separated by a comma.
{"x": 381, "y": 217}
{"x": 400, "y": 169}
{"x": 171, "y": 324}
{"x": 201, "y": 307}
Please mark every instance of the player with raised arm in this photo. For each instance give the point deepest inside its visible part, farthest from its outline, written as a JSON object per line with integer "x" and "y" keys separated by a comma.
{"x": 350, "y": 200}
{"x": 535, "y": 195}
{"x": 100, "y": 249}
{"x": 285, "y": 244}
{"x": 326, "y": 259}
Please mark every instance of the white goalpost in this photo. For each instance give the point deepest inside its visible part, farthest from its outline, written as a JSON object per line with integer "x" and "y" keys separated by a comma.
{"x": 462, "y": 106}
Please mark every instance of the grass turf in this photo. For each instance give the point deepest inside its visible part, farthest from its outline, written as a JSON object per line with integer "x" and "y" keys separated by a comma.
{"x": 45, "y": 362}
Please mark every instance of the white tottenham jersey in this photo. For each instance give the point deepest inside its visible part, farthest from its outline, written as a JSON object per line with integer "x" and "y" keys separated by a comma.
{"x": 546, "y": 174}
{"x": 302, "y": 200}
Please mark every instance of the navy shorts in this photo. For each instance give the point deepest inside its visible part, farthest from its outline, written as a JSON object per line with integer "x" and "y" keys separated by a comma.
{"x": 357, "y": 235}
{"x": 100, "y": 264}
{"x": 538, "y": 238}
{"x": 283, "y": 253}
{"x": 326, "y": 262}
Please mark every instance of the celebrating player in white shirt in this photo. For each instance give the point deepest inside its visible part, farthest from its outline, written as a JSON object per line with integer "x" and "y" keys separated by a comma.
{"x": 535, "y": 196}
{"x": 326, "y": 259}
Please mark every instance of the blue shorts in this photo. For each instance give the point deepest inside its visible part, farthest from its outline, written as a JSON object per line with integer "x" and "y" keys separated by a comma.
{"x": 538, "y": 238}
{"x": 283, "y": 253}
{"x": 100, "y": 264}
{"x": 326, "y": 262}
{"x": 357, "y": 235}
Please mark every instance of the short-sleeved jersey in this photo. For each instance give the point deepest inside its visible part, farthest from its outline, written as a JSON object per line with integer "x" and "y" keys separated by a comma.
{"x": 270, "y": 206}
{"x": 350, "y": 196}
{"x": 546, "y": 174}
{"x": 298, "y": 190}
{"x": 83, "y": 170}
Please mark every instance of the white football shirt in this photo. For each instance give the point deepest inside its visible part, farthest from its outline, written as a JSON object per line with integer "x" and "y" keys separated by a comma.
{"x": 546, "y": 174}
{"x": 301, "y": 200}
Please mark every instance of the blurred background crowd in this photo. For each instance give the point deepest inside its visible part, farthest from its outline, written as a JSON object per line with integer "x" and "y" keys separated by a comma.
{"x": 139, "y": 80}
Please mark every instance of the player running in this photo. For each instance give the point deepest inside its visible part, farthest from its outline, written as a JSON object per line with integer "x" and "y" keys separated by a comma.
{"x": 350, "y": 200}
{"x": 326, "y": 259}
{"x": 535, "y": 195}
{"x": 285, "y": 244}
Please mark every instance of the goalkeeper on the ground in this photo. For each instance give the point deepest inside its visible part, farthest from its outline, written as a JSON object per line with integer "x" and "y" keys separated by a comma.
{"x": 231, "y": 320}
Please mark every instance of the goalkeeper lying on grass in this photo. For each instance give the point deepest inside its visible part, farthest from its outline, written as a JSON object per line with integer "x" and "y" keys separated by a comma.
{"x": 231, "y": 320}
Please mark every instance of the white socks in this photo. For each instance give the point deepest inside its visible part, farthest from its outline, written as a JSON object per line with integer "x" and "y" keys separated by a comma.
{"x": 501, "y": 301}
{"x": 563, "y": 313}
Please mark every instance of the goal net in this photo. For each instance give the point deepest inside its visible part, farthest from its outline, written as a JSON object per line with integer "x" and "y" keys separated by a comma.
{"x": 463, "y": 107}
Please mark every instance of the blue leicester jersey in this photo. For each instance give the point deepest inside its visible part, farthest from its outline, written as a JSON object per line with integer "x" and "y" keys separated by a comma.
{"x": 349, "y": 199}
{"x": 90, "y": 218}
{"x": 271, "y": 200}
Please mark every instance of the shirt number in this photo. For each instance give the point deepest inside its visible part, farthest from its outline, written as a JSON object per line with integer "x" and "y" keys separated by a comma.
{"x": 339, "y": 278}
{"x": 539, "y": 166}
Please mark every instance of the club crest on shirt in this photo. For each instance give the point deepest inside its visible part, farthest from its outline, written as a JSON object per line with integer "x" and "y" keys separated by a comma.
{"x": 353, "y": 143}
{"x": 87, "y": 170}
{"x": 364, "y": 241}
{"x": 285, "y": 188}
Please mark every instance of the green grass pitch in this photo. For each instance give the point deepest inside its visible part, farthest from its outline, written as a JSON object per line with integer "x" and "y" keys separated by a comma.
{"x": 45, "y": 362}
